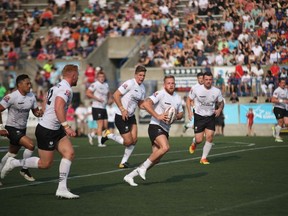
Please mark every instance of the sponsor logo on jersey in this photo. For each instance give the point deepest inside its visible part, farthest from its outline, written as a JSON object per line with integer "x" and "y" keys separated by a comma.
{"x": 125, "y": 86}
{"x": 6, "y": 98}
{"x": 68, "y": 93}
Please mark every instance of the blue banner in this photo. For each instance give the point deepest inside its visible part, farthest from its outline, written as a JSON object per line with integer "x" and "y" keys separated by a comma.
{"x": 231, "y": 113}
{"x": 263, "y": 113}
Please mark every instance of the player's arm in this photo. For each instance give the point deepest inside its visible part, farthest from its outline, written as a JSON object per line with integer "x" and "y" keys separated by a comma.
{"x": 220, "y": 108}
{"x": 179, "y": 115}
{"x": 189, "y": 105}
{"x": 117, "y": 98}
{"x": 3, "y": 131}
{"x": 148, "y": 105}
{"x": 140, "y": 104}
{"x": 38, "y": 112}
{"x": 90, "y": 94}
{"x": 61, "y": 115}
{"x": 275, "y": 99}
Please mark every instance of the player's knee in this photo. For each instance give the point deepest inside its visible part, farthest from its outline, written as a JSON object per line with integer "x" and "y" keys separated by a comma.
{"x": 46, "y": 164}
{"x": 166, "y": 149}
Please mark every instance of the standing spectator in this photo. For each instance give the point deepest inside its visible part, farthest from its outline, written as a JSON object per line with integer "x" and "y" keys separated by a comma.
{"x": 220, "y": 84}
{"x": 70, "y": 117}
{"x": 90, "y": 75}
{"x": 125, "y": 119}
{"x": 159, "y": 126}
{"x": 80, "y": 113}
{"x": 250, "y": 121}
{"x": 99, "y": 92}
{"x": 11, "y": 82}
{"x": 257, "y": 73}
{"x": 246, "y": 84}
{"x": 92, "y": 124}
{"x": 280, "y": 100}
{"x": 111, "y": 111}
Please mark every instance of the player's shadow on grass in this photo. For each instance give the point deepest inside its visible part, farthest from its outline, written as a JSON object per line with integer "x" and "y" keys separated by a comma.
{"x": 224, "y": 158}
{"x": 179, "y": 178}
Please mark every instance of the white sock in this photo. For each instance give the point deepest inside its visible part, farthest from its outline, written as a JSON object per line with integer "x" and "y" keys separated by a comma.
{"x": 31, "y": 162}
{"x": 27, "y": 154}
{"x": 92, "y": 134}
{"x": 128, "y": 151}
{"x": 4, "y": 159}
{"x": 277, "y": 130}
{"x": 133, "y": 174}
{"x": 206, "y": 149}
{"x": 146, "y": 164}
{"x": 117, "y": 138}
{"x": 99, "y": 139}
{"x": 64, "y": 169}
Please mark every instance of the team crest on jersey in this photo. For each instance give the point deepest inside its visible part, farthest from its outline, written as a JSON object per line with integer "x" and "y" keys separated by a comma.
{"x": 125, "y": 86}
{"x": 67, "y": 93}
{"x": 6, "y": 98}
{"x": 156, "y": 93}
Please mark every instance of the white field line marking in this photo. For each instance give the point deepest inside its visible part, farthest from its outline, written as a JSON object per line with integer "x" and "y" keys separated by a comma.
{"x": 121, "y": 170}
{"x": 255, "y": 202}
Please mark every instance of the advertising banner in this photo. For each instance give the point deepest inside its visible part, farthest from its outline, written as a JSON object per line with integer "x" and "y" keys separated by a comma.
{"x": 231, "y": 113}
{"x": 263, "y": 113}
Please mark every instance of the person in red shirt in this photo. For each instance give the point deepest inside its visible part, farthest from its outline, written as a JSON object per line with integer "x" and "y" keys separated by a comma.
{"x": 90, "y": 75}
{"x": 250, "y": 121}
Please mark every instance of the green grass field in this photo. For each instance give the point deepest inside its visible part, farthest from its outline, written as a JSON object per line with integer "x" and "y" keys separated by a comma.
{"x": 247, "y": 176}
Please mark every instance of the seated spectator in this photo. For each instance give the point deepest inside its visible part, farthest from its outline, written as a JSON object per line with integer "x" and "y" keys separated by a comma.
{"x": 269, "y": 83}
{"x": 12, "y": 58}
{"x": 234, "y": 98}
{"x": 254, "y": 100}
{"x": 46, "y": 18}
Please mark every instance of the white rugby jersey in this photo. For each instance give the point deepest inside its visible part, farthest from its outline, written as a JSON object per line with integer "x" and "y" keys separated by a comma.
{"x": 63, "y": 90}
{"x": 132, "y": 93}
{"x": 205, "y": 99}
{"x": 280, "y": 93}
{"x": 18, "y": 107}
{"x": 100, "y": 90}
{"x": 191, "y": 90}
{"x": 162, "y": 99}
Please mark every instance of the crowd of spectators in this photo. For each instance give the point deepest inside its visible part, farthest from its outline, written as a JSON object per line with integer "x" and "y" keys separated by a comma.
{"x": 246, "y": 34}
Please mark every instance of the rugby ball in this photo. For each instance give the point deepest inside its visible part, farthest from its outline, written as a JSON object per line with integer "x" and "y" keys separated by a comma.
{"x": 171, "y": 111}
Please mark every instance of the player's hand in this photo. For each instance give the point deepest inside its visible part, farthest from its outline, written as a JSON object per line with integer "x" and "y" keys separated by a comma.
{"x": 124, "y": 114}
{"x": 70, "y": 132}
{"x": 217, "y": 112}
{"x": 163, "y": 117}
{"x": 3, "y": 131}
{"x": 39, "y": 113}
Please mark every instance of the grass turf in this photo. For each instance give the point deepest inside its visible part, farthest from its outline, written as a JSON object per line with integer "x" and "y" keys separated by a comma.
{"x": 247, "y": 176}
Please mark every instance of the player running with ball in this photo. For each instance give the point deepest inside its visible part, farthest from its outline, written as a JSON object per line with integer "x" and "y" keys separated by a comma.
{"x": 159, "y": 126}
